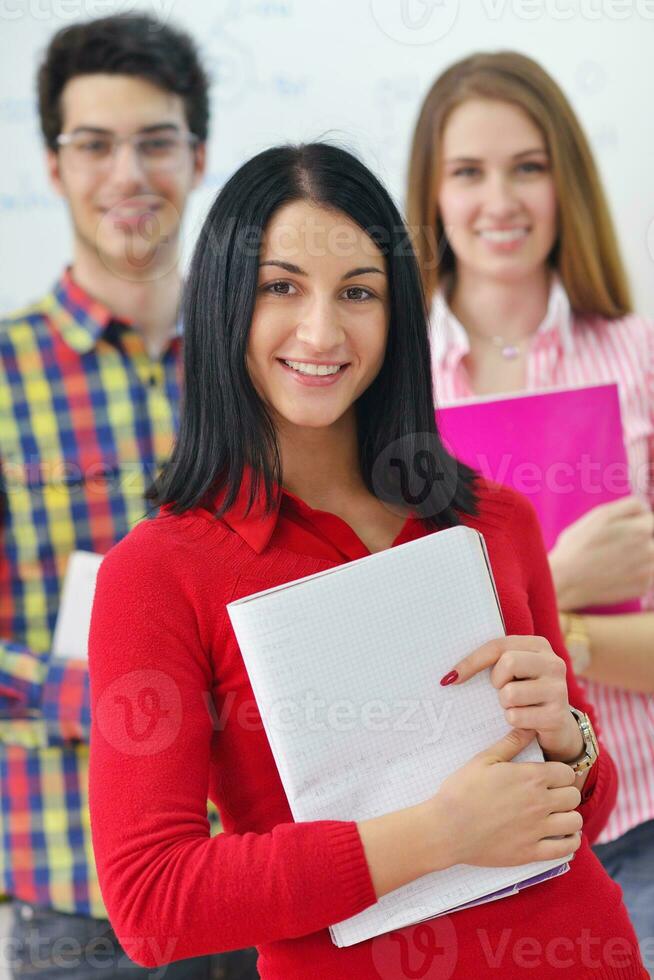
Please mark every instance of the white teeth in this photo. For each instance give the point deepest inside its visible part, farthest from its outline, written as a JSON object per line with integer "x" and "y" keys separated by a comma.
{"x": 508, "y": 235}
{"x": 317, "y": 369}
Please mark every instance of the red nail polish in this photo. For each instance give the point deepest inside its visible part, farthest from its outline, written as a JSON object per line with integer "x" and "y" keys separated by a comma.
{"x": 450, "y": 678}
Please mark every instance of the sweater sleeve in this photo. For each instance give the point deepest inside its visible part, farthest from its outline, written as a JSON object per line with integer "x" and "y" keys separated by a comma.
{"x": 600, "y": 788}
{"x": 43, "y": 700}
{"x": 171, "y": 890}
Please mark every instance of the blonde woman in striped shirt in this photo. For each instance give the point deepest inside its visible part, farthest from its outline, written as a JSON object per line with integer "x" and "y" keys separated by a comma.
{"x": 521, "y": 266}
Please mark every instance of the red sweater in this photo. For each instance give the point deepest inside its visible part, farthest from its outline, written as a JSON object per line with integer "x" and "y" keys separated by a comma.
{"x": 175, "y": 722}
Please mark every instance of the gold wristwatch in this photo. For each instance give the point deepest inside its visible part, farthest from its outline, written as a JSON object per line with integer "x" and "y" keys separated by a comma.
{"x": 577, "y": 641}
{"x": 590, "y": 751}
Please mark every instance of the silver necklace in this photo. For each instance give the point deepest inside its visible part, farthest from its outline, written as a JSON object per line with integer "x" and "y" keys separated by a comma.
{"x": 508, "y": 350}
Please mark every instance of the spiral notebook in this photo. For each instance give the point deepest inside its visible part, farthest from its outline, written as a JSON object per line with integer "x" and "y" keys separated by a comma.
{"x": 345, "y": 667}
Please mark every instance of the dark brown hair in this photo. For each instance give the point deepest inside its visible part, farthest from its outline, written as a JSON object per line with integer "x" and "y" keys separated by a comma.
{"x": 125, "y": 44}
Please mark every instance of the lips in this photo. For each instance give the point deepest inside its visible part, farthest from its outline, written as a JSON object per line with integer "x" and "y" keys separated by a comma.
{"x": 121, "y": 209}
{"x": 131, "y": 212}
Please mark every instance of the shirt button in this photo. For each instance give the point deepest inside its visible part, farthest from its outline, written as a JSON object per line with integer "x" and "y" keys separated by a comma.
{"x": 26, "y": 912}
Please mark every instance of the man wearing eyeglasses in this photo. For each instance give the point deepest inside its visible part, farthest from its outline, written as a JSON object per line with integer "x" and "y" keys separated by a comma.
{"x": 89, "y": 389}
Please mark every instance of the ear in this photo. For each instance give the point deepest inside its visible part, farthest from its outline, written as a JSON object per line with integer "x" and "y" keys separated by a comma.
{"x": 54, "y": 174}
{"x": 200, "y": 164}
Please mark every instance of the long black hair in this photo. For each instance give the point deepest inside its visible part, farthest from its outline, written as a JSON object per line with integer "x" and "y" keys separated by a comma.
{"x": 225, "y": 427}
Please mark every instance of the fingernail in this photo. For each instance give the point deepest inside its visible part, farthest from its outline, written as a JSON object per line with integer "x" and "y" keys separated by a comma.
{"x": 450, "y": 678}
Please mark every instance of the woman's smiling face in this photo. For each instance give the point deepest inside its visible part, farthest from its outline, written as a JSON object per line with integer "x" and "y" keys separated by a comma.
{"x": 320, "y": 325}
{"x": 497, "y": 199}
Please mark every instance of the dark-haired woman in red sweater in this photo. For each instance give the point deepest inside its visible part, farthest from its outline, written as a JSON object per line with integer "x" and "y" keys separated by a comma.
{"x": 306, "y": 362}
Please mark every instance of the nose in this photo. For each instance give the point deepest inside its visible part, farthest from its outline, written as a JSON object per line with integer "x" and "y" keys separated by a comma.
{"x": 126, "y": 168}
{"x": 320, "y": 328}
{"x": 500, "y": 199}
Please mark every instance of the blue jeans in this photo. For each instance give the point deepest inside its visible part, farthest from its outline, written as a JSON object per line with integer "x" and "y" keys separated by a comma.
{"x": 50, "y": 945}
{"x": 630, "y": 861}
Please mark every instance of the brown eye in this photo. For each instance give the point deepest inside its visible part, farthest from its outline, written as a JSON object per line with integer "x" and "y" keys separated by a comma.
{"x": 358, "y": 294}
{"x": 158, "y": 146}
{"x": 278, "y": 288}
{"x": 93, "y": 147}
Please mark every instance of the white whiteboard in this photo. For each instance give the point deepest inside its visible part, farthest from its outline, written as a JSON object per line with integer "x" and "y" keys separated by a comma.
{"x": 352, "y": 70}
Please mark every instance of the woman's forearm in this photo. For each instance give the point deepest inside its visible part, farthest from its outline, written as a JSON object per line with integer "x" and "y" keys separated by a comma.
{"x": 622, "y": 651}
{"x": 406, "y": 845}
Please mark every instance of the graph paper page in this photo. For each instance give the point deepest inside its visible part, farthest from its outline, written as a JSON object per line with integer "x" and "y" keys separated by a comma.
{"x": 345, "y": 667}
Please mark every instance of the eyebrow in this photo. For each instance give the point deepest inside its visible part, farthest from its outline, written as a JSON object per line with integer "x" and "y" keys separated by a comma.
{"x": 155, "y": 127}
{"x": 363, "y": 270}
{"x": 516, "y": 156}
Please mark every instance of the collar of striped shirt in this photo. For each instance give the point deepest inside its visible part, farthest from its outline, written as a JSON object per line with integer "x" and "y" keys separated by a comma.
{"x": 449, "y": 338}
{"x": 79, "y": 318}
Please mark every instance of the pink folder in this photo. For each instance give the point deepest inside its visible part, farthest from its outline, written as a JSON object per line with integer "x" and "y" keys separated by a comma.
{"x": 563, "y": 448}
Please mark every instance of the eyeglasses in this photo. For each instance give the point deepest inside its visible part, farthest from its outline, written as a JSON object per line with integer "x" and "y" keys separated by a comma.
{"x": 156, "y": 152}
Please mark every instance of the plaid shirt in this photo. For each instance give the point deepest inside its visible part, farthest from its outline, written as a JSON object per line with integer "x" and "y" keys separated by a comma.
{"x": 86, "y": 419}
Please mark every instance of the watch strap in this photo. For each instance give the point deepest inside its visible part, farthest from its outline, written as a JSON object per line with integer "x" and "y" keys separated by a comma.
{"x": 590, "y": 752}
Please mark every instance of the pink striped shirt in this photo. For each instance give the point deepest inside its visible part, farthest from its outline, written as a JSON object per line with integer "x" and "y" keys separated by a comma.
{"x": 571, "y": 350}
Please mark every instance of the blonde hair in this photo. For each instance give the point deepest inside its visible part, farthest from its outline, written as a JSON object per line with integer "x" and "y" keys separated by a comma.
{"x": 586, "y": 254}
